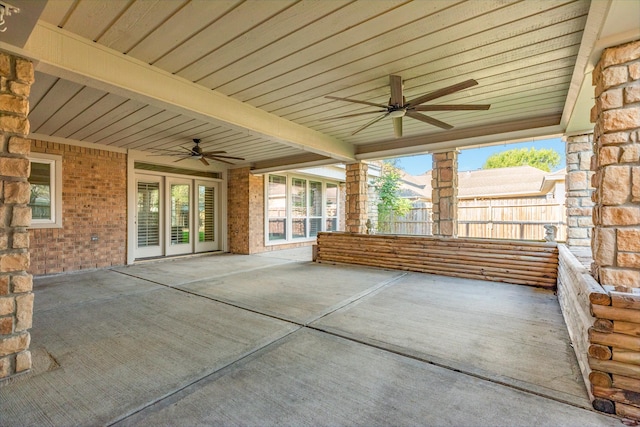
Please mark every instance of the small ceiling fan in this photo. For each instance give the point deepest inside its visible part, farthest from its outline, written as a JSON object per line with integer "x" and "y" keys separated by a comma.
{"x": 399, "y": 107}
{"x": 196, "y": 153}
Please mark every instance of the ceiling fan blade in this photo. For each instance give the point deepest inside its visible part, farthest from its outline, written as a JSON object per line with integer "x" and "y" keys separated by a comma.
{"x": 395, "y": 82}
{"x": 442, "y": 92}
{"x": 397, "y": 126}
{"x": 203, "y": 160}
{"x": 429, "y": 120}
{"x": 213, "y": 152}
{"x": 451, "y": 107}
{"x": 215, "y": 156}
{"x": 356, "y": 101}
{"x": 179, "y": 160}
{"x": 377, "y": 119}
{"x": 353, "y": 115}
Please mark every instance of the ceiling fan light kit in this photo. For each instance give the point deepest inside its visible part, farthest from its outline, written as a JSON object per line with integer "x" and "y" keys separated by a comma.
{"x": 398, "y": 107}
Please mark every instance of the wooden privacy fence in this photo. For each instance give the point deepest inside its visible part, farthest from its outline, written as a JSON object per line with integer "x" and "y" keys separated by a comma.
{"x": 518, "y": 262}
{"x": 521, "y": 219}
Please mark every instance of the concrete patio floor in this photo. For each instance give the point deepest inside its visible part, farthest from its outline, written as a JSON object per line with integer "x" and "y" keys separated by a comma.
{"x": 274, "y": 339}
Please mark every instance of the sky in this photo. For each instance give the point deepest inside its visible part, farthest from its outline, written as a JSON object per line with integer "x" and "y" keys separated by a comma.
{"x": 474, "y": 158}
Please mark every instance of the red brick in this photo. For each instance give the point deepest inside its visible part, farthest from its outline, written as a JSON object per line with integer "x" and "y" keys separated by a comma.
{"x": 94, "y": 201}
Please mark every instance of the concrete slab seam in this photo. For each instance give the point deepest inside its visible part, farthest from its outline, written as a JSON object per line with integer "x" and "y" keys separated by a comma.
{"x": 248, "y": 270}
{"x": 453, "y": 369}
{"x": 349, "y": 302}
{"x": 213, "y": 373}
{"x": 188, "y": 292}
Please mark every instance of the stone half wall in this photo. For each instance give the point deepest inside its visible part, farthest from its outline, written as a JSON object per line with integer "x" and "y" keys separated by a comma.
{"x": 94, "y": 205}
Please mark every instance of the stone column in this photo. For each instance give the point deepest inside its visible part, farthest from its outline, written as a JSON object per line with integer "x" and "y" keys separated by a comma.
{"x": 16, "y": 297}
{"x": 357, "y": 197}
{"x": 579, "y": 150}
{"x": 444, "y": 185}
{"x": 616, "y": 215}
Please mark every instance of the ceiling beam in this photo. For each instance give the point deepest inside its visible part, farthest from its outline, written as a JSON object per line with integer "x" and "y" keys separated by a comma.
{"x": 290, "y": 162}
{"x": 460, "y": 138}
{"x": 65, "y": 55}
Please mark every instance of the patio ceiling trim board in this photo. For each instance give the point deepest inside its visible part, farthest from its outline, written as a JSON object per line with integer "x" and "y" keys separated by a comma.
{"x": 460, "y": 138}
{"x": 290, "y": 162}
{"x": 75, "y": 142}
{"x": 65, "y": 55}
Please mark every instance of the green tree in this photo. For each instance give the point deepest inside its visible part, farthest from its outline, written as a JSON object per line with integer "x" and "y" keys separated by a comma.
{"x": 388, "y": 188}
{"x": 544, "y": 158}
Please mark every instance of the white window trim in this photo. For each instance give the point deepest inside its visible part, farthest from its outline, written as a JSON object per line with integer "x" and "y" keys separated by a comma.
{"x": 56, "y": 190}
{"x": 289, "y": 218}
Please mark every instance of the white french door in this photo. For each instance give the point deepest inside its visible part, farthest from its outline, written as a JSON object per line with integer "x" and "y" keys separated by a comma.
{"x": 206, "y": 216}
{"x": 149, "y": 217}
{"x": 176, "y": 216}
{"x": 179, "y": 224}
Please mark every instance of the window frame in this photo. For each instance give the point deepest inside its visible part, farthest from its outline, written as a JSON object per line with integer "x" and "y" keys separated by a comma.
{"x": 289, "y": 190}
{"x": 55, "y": 175}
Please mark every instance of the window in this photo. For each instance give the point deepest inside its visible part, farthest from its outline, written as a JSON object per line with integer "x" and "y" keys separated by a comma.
{"x": 331, "y": 208}
{"x": 277, "y": 207}
{"x": 46, "y": 191}
{"x": 299, "y": 208}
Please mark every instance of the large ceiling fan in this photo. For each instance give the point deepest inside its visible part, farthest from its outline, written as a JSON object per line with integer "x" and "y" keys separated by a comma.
{"x": 196, "y": 153}
{"x": 399, "y": 107}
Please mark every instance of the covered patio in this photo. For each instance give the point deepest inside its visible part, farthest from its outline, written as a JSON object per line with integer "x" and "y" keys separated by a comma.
{"x": 196, "y": 341}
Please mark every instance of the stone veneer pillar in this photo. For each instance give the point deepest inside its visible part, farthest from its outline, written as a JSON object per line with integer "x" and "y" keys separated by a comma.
{"x": 616, "y": 215}
{"x": 444, "y": 185}
{"x": 579, "y": 150}
{"x": 357, "y": 197}
{"x": 16, "y": 296}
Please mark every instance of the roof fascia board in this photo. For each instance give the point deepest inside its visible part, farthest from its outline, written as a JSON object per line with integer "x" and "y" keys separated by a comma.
{"x": 68, "y": 56}
{"x": 581, "y": 71}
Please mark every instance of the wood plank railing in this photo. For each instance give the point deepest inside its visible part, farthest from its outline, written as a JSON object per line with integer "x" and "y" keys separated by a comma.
{"x": 517, "y": 262}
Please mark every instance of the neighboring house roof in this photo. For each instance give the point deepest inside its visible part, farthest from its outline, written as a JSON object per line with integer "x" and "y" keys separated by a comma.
{"x": 517, "y": 181}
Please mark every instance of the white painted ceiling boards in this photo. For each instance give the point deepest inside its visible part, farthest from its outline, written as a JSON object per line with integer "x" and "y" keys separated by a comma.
{"x": 251, "y": 77}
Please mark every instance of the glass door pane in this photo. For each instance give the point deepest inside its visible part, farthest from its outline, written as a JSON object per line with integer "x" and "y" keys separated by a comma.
{"x": 179, "y": 218}
{"x": 148, "y": 219}
{"x": 206, "y": 217}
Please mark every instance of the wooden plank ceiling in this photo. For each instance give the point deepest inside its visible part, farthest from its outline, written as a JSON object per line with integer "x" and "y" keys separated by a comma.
{"x": 286, "y": 56}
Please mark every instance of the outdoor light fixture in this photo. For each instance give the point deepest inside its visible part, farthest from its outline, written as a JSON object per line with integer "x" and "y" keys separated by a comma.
{"x": 398, "y": 113}
{"x": 6, "y": 10}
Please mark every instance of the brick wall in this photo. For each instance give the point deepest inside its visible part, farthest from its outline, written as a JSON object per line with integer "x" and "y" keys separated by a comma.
{"x": 94, "y": 203}
{"x": 245, "y": 214}
{"x": 16, "y": 296}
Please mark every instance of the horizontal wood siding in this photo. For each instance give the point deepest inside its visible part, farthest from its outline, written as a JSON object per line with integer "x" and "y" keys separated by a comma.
{"x": 517, "y": 262}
